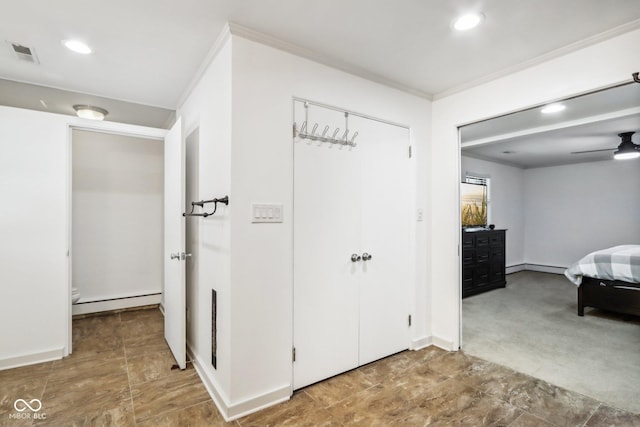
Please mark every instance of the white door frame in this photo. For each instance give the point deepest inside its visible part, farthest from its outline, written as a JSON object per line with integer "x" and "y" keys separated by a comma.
{"x": 100, "y": 127}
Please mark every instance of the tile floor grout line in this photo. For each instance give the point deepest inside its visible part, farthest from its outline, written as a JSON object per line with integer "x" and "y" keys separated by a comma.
{"x": 44, "y": 388}
{"x": 126, "y": 362}
{"x": 591, "y": 415}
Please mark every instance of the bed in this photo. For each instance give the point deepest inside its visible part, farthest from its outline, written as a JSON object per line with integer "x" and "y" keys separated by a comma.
{"x": 608, "y": 279}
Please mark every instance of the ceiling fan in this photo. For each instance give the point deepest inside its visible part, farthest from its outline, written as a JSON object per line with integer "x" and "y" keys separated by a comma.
{"x": 626, "y": 150}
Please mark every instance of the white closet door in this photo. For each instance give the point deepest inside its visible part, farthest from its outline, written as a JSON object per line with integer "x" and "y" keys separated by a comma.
{"x": 175, "y": 321}
{"x": 384, "y": 285}
{"x": 327, "y": 220}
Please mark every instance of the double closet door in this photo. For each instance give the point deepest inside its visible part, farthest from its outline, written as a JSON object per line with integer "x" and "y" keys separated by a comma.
{"x": 351, "y": 244}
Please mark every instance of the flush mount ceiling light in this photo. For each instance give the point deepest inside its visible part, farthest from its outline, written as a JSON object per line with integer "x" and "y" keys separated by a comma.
{"x": 468, "y": 21}
{"x": 627, "y": 149}
{"x": 77, "y": 46}
{"x": 553, "y": 108}
{"x": 90, "y": 112}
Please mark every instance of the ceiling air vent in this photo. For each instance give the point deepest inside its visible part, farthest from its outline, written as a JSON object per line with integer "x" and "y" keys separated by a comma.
{"x": 24, "y": 53}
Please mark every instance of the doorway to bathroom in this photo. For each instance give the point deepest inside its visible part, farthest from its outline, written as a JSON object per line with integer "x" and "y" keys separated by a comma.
{"x": 116, "y": 221}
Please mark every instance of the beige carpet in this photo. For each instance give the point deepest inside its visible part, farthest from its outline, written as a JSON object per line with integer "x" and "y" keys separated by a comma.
{"x": 532, "y": 326}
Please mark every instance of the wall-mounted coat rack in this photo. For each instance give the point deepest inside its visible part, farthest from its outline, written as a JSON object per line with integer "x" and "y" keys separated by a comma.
{"x": 333, "y": 139}
{"x": 224, "y": 200}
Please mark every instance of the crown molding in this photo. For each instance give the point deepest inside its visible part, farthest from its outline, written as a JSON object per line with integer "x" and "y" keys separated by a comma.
{"x": 221, "y": 40}
{"x": 570, "y": 48}
{"x": 265, "y": 39}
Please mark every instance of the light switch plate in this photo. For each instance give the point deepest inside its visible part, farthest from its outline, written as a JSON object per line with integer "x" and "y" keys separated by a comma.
{"x": 266, "y": 212}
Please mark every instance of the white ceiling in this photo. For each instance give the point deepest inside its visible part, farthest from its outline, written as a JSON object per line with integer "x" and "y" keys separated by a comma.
{"x": 147, "y": 51}
{"x": 529, "y": 139}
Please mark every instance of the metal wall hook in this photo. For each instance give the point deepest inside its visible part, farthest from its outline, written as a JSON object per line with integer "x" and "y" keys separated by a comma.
{"x": 353, "y": 138}
{"x": 224, "y": 200}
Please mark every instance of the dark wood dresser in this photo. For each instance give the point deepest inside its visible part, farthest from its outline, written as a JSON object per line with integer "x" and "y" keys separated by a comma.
{"x": 483, "y": 261}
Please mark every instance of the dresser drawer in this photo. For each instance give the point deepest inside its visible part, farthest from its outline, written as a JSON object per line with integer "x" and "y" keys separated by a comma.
{"x": 496, "y": 239}
{"x": 482, "y": 256}
{"x": 482, "y": 240}
{"x": 496, "y": 253}
{"x": 468, "y": 257}
{"x": 467, "y": 279}
{"x": 468, "y": 241}
{"x": 481, "y": 275}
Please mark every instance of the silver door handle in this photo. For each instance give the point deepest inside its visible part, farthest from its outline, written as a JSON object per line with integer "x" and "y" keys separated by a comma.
{"x": 366, "y": 256}
{"x": 355, "y": 258}
{"x": 174, "y": 255}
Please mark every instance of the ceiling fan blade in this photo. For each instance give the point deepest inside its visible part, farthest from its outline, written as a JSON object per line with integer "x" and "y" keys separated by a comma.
{"x": 593, "y": 151}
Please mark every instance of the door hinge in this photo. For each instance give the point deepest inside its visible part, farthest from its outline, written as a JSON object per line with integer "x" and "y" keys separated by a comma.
{"x": 409, "y": 151}
{"x": 293, "y": 354}
{"x": 294, "y": 130}
{"x": 409, "y": 320}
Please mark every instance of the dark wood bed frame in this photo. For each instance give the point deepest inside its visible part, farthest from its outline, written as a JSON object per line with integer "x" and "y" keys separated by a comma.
{"x": 610, "y": 295}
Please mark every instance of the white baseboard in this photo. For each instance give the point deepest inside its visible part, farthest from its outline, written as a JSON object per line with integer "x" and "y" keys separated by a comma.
{"x": 515, "y": 268}
{"x": 442, "y": 343}
{"x": 545, "y": 268}
{"x": 210, "y": 384}
{"x": 115, "y": 304}
{"x": 232, "y": 411}
{"x": 257, "y": 403}
{"x": 428, "y": 341}
{"x": 31, "y": 359}
{"x": 420, "y": 343}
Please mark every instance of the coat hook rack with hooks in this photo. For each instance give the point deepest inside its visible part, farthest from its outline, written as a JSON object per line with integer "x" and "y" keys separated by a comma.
{"x": 335, "y": 138}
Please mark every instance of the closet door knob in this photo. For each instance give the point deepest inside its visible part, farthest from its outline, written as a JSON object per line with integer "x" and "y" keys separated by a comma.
{"x": 355, "y": 258}
{"x": 174, "y": 255}
{"x": 366, "y": 256}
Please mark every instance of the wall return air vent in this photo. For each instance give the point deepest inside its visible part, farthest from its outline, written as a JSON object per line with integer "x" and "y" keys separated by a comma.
{"x": 24, "y": 53}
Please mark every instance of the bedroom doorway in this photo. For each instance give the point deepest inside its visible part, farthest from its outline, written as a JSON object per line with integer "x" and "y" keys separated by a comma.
{"x": 543, "y": 167}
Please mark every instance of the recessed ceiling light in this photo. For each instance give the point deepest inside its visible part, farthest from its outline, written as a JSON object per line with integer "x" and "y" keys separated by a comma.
{"x": 77, "y": 46}
{"x": 553, "y": 108}
{"x": 90, "y": 112}
{"x": 468, "y": 21}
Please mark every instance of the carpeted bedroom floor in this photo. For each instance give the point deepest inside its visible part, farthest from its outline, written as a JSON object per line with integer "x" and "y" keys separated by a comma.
{"x": 532, "y": 326}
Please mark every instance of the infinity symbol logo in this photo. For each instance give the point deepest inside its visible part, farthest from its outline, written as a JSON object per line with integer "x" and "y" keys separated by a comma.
{"x": 22, "y": 405}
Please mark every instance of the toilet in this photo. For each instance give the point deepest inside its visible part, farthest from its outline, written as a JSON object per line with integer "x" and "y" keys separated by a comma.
{"x": 75, "y": 295}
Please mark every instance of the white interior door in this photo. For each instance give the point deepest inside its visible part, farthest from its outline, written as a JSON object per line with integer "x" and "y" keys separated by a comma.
{"x": 384, "y": 284}
{"x": 349, "y": 200}
{"x": 175, "y": 319}
{"x": 326, "y": 233}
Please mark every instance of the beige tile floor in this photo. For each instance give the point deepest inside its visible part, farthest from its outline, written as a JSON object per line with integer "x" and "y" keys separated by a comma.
{"x": 120, "y": 375}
